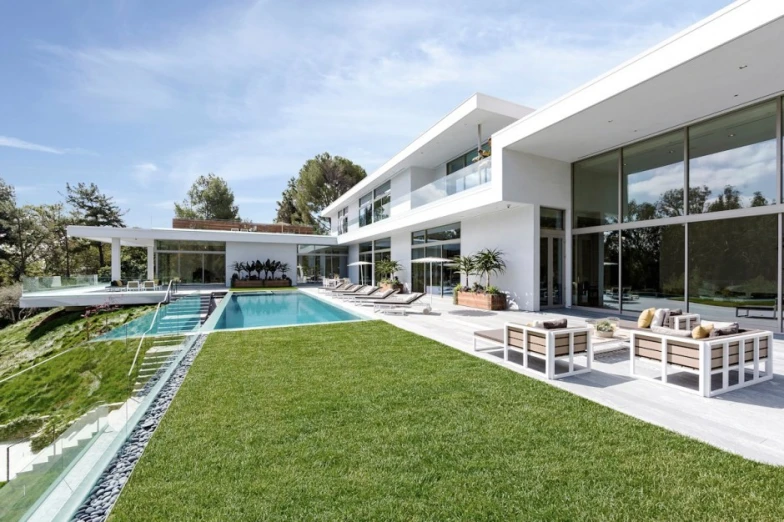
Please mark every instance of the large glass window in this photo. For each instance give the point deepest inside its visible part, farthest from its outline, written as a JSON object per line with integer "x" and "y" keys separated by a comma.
{"x": 465, "y": 160}
{"x": 732, "y": 268}
{"x": 382, "y": 201}
{"x": 315, "y": 262}
{"x": 595, "y": 190}
{"x": 653, "y": 178}
{"x": 444, "y": 233}
{"x": 732, "y": 161}
{"x": 445, "y": 244}
{"x": 551, "y": 219}
{"x": 653, "y": 261}
{"x": 366, "y": 210}
{"x": 343, "y": 221}
{"x": 190, "y": 246}
{"x": 596, "y": 270}
{"x": 191, "y": 267}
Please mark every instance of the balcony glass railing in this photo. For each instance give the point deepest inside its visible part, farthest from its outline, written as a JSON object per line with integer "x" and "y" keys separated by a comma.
{"x": 474, "y": 175}
{"x": 45, "y": 284}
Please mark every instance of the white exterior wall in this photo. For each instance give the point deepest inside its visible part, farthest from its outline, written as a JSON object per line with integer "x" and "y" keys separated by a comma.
{"x": 401, "y": 252}
{"x": 515, "y": 231}
{"x": 526, "y": 178}
{"x": 246, "y": 251}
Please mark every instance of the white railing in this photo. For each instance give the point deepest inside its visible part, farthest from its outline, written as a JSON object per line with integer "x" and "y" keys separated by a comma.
{"x": 152, "y": 326}
{"x": 472, "y": 176}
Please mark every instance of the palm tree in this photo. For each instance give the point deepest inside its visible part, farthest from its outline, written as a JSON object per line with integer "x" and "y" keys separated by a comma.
{"x": 267, "y": 266}
{"x": 387, "y": 268}
{"x": 258, "y": 267}
{"x": 466, "y": 265}
{"x": 284, "y": 269}
{"x": 489, "y": 262}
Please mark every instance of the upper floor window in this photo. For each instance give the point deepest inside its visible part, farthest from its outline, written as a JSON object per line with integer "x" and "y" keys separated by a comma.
{"x": 375, "y": 206}
{"x": 343, "y": 221}
{"x": 466, "y": 159}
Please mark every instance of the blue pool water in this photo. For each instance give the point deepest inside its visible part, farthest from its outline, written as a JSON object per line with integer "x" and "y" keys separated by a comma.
{"x": 278, "y": 309}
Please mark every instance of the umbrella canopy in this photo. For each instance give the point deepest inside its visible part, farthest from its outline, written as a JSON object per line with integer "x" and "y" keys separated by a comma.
{"x": 430, "y": 261}
{"x": 361, "y": 273}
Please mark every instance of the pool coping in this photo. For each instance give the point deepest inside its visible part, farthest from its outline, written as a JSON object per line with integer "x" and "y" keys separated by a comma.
{"x": 209, "y": 326}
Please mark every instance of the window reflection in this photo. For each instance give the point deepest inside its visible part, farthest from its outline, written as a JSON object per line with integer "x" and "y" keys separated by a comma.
{"x": 596, "y": 270}
{"x": 595, "y": 191}
{"x": 653, "y": 178}
{"x": 653, "y": 268}
{"x": 732, "y": 161}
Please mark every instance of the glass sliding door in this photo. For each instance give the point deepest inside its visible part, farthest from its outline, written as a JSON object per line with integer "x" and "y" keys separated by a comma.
{"x": 653, "y": 260}
{"x": 596, "y": 270}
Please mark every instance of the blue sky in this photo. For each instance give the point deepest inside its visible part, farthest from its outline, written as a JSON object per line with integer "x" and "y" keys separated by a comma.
{"x": 141, "y": 97}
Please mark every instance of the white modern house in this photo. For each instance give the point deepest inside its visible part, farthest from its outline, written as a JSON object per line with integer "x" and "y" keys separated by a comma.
{"x": 659, "y": 181}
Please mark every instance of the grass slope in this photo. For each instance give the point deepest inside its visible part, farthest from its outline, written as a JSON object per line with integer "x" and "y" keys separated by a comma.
{"x": 72, "y": 383}
{"x": 369, "y": 422}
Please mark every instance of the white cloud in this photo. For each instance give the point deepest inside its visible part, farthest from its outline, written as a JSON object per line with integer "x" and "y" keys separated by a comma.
{"x": 144, "y": 172}
{"x": 15, "y": 143}
{"x": 278, "y": 84}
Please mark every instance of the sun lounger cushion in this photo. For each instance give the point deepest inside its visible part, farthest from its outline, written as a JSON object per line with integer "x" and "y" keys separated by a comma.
{"x": 646, "y": 316}
{"x": 677, "y": 311}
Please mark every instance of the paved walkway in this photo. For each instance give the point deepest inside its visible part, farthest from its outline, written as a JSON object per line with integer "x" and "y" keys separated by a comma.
{"x": 749, "y": 422}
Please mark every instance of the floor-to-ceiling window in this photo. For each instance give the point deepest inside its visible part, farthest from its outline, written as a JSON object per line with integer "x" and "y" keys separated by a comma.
{"x": 366, "y": 257}
{"x": 699, "y": 228}
{"x": 191, "y": 261}
{"x": 315, "y": 262}
{"x": 441, "y": 242}
{"x": 382, "y": 249}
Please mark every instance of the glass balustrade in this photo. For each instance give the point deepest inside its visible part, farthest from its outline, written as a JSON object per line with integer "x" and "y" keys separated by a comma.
{"x": 470, "y": 177}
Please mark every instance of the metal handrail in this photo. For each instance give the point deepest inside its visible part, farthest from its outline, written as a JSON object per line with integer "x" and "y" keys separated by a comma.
{"x": 152, "y": 325}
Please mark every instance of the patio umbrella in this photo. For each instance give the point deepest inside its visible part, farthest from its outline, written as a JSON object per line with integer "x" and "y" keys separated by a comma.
{"x": 430, "y": 261}
{"x": 361, "y": 273}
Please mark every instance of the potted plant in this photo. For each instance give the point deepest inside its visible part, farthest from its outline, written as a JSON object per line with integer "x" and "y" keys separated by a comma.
{"x": 387, "y": 268}
{"x": 484, "y": 263}
{"x": 604, "y": 328}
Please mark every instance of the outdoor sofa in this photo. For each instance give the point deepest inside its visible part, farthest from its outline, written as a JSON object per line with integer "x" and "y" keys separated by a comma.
{"x": 707, "y": 350}
{"x": 548, "y": 340}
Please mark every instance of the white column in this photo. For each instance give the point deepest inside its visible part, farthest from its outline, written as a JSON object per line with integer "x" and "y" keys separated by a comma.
{"x": 116, "y": 258}
{"x": 150, "y": 263}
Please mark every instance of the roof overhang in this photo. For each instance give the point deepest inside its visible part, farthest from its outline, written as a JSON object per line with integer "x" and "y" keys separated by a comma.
{"x": 451, "y": 136}
{"x": 145, "y": 237}
{"x": 731, "y": 59}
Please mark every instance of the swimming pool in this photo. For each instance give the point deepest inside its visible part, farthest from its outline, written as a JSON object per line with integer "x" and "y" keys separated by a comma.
{"x": 277, "y": 309}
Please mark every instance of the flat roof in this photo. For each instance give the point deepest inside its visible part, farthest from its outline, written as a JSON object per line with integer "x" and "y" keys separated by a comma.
{"x": 729, "y": 59}
{"x": 145, "y": 237}
{"x": 454, "y": 134}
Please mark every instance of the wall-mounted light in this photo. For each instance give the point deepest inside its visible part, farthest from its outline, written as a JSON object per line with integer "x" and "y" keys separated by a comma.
{"x": 742, "y": 67}
{"x": 731, "y": 135}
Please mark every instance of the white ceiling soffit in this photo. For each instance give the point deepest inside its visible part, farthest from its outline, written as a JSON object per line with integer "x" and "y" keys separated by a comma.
{"x": 738, "y": 72}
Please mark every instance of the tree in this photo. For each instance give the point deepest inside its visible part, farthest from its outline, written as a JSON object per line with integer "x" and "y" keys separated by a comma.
{"x": 466, "y": 265}
{"x": 489, "y": 262}
{"x": 321, "y": 181}
{"x": 287, "y": 206}
{"x": 208, "y": 198}
{"x": 7, "y": 203}
{"x": 27, "y": 231}
{"x": 386, "y": 268}
{"x": 729, "y": 199}
{"x": 93, "y": 208}
{"x": 759, "y": 200}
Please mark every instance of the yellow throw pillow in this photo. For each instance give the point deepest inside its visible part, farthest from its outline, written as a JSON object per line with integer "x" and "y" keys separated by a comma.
{"x": 645, "y": 318}
{"x": 700, "y": 332}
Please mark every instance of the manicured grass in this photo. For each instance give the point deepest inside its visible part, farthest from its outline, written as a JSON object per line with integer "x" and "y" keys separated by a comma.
{"x": 364, "y": 421}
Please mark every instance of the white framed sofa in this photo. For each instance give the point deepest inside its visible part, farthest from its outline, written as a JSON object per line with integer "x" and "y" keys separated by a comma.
{"x": 550, "y": 345}
{"x": 739, "y": 358}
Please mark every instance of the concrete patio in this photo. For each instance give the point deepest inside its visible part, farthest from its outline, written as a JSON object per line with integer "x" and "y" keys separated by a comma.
{"x": 748, "y": 422}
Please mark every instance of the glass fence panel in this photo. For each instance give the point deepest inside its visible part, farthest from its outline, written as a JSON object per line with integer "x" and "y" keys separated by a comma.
{"x": 472, "y": 176}
{"x": 46, "y": 284}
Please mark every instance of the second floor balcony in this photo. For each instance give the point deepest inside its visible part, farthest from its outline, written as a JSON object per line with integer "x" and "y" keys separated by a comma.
{"x": 472, "y": 176}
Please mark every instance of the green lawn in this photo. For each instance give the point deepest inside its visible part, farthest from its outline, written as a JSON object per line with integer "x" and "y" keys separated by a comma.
{"x": 364, "y": 421}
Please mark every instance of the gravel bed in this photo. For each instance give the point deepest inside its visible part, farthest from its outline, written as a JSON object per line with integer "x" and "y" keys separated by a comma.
{"x": 106, "y": 491}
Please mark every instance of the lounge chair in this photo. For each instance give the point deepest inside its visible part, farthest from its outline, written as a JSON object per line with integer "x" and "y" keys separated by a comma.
{"x": 346, "y": 289}
{"x": 365, "y": 290}
{"x": 339, "y": 286}
{"x": 149, "y": 285}
{"x": 399, "y": 304}
{"x": 133, "y": 285}
{"x": 375, "y": 297}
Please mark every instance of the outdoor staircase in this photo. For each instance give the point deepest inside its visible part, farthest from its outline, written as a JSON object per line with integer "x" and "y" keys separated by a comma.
{"x": 183, "y": 314}
{"x": 158, "y": 355}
